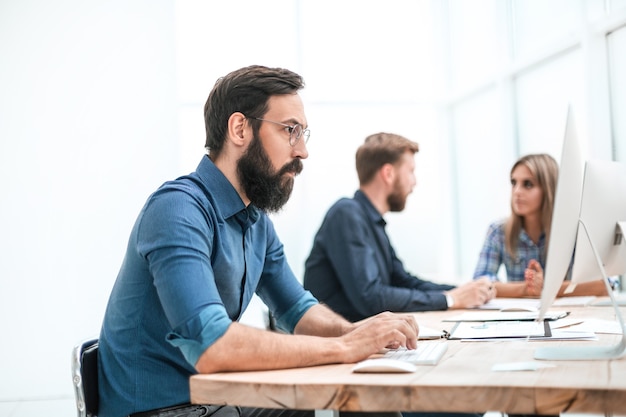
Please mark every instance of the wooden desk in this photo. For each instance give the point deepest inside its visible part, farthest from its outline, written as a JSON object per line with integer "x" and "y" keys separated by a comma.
{"x": 461, "y": 382}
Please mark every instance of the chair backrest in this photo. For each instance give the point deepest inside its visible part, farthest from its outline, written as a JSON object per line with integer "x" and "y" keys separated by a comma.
{"x": 85, "y": 377}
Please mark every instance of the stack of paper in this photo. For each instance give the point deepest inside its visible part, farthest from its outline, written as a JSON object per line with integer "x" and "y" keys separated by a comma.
{"x": 498, "y": 325}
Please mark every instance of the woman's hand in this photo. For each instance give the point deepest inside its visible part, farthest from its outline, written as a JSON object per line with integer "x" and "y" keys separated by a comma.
{"x": 533, "y": 277}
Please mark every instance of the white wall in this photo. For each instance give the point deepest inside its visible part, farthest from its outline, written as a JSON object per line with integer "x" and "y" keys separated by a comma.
{"x": 87, "y": 130}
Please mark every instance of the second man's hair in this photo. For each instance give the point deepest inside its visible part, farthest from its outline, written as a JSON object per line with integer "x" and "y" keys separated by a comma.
{"x": 380, "y": 149}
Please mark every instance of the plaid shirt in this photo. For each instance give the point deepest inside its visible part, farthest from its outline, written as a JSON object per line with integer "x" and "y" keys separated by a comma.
{"x": 494, "y": 254}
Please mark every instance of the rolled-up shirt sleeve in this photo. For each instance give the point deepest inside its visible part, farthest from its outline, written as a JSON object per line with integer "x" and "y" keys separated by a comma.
{"x": 195, "y": 336}
{"x": 177, "y": 244}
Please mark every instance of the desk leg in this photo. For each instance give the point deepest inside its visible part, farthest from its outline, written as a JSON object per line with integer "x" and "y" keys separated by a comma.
{"x": 326, "y": 413}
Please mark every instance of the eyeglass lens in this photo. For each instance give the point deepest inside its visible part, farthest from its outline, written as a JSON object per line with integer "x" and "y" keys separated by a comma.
{"x": 297, "y": 132}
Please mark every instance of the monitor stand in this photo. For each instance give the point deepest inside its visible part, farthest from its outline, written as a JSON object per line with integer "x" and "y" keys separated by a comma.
{"x": 566, "y": 353}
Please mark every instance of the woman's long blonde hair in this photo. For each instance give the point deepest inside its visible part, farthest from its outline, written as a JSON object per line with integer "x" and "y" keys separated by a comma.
{"x": 545, "y": 170}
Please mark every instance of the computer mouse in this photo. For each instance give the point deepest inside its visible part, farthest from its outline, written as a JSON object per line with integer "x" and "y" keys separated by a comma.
{"x": 384, "y": 365}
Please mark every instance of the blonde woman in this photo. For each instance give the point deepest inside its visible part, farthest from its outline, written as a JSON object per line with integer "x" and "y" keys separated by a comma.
{"x": 520, "y": 241}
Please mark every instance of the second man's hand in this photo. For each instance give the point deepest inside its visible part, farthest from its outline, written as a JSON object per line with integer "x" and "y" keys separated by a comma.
{"x": 473, "y": 294}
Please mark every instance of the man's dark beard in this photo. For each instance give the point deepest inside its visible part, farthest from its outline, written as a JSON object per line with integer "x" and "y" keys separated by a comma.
{"x": 396, "y": 200}
{"x": 267, "y": 190}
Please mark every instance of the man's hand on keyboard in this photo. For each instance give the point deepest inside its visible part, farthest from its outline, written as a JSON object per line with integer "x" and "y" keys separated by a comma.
{"x": 384, "y": 330}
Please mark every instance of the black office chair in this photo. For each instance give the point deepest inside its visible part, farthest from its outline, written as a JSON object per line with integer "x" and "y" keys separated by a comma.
{"x": 85, "y": 377}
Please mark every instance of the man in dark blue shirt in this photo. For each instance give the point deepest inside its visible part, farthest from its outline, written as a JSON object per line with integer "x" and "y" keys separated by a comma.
{"x": 352, "y": 266}
{"x": 202, "y": 246}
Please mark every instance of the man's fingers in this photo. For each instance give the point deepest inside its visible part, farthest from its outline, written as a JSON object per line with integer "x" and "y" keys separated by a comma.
{"x": 397, "y": 329}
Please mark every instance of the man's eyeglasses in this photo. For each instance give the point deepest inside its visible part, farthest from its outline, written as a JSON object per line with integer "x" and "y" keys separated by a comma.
{"x": 296, "y": 132}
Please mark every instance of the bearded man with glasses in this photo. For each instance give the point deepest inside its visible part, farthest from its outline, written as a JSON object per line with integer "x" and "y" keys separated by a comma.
{"x": 202, "y": 245}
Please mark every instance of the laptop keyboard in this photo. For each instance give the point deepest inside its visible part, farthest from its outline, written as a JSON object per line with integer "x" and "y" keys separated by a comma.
{"x": 426, "y": 353}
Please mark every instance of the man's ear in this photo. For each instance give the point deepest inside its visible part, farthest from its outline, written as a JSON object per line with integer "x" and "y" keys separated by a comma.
{"x": 387, "y": 173}
{"x": 237, "y": 126}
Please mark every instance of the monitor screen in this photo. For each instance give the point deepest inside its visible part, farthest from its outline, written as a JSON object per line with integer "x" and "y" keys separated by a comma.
{"x": 603, "y": 206}
{"x": 564, "y": 216}
{"x": 589, "y": 205}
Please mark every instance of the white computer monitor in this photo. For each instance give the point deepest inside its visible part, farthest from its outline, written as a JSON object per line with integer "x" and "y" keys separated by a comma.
{"x": 603, "y": 206}
{"x": 565, "y": 214}
{"x": 589, "y": 215}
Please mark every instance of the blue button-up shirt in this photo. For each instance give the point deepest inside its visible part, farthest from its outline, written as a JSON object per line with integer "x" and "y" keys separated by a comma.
{"x": 195, "y": 256}
{"x": 355, "y": 271}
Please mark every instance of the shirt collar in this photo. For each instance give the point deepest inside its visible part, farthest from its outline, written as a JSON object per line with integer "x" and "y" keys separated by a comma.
{"x": 224, "y": 195}
{"x": 370, "y": 210}
{"x": 529, "y": 242}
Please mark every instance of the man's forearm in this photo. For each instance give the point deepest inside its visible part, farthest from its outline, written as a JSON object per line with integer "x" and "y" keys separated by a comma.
{"x": 244, "y": 348}
{"x": 270, "y": 350}
{"x": 320, "y": 320}
{"x": 247, "y": 348}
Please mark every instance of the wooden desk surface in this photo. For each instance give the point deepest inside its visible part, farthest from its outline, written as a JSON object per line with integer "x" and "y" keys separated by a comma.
{"x": 462, "y": 381}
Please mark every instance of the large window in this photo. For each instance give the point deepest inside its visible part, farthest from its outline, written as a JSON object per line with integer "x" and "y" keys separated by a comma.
{"x": 475, "y": 50}
{"x": 482, "y": 155}
{"x": 617, "y": 67}
{"x": 535, "y": 28}
{"x": 517, "y": 104}
{"x": 543, "y": 95}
